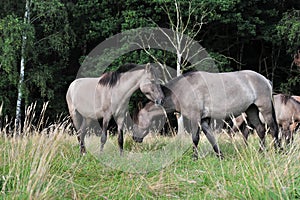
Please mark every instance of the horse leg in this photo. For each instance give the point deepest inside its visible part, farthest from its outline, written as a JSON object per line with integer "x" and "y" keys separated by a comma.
{"x": 245, "y": 132}
{"x": 195, "y": 138}
{"x": 211, "y": 138}
{"x": 120, "y": 140}
{"x": 120, "y": 122}
{"x": 76, "y": 119}
{"x": 253, "y": 118}
{"x": 81, "y": 135}
{"x": 79, "y": 124}
{"x": 193, "y": 128}
{"x": 292, "y": 129}
{"x": 270, "y": 119}
{"x": 287, "y": 134}
{"x": 104, "y": 132}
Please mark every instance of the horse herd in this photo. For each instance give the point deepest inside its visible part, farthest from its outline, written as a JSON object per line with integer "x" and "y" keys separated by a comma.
{"x": 199, "y": 97}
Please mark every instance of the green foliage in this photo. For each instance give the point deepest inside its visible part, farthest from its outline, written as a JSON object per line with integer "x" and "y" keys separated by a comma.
{"x": 49, "y": 39}
{"x": 288, "y": 29}
{"x": 53, "y": 40}
{"x": 11, "y": 28}
{"x": 239, "y": 34}
{"x": 292, "y": 82}
{"x": 10, "y": 43}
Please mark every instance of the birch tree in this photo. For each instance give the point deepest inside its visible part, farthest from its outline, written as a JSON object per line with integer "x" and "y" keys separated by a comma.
{"x": 26, "y": 21}
{"x": 34, "y": 47}
{"x": 185, "y": 24}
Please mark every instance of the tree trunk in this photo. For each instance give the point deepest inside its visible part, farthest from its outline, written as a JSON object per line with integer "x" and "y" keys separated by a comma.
{"x": 22, "y": 68}
{"x": 180, "y": 130}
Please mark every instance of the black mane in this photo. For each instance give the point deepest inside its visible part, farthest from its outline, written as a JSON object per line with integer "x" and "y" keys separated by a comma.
{"x": 285, "y": 98}
{"x": 111, "y": 78}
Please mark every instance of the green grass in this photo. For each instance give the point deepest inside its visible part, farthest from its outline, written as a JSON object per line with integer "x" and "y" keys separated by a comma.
{"x": 44, "y": 165}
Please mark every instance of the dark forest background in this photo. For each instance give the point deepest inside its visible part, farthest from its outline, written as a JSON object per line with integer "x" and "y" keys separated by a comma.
{"x": 261, "y": 35}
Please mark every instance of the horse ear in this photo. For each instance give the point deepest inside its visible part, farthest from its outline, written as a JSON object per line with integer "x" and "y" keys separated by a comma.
{"x": 148, "y": 67}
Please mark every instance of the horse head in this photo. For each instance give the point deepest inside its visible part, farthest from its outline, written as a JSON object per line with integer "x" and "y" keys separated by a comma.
{"x": 150, "y": 117}
{"x": 138, "y": 133}
{"x": 150, "y": 86}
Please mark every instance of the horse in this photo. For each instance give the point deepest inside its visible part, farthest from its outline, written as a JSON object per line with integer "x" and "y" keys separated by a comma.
{"x": 201, "y": 96}
{"x": 92, "y": 99}
{"x": 287, "y": 109}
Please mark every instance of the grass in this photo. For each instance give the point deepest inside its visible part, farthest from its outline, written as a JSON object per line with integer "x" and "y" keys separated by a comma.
{"x": 47, "y": 165}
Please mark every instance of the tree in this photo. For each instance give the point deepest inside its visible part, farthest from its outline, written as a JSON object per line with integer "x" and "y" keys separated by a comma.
{"x": 34, "y": 49}
{"x": 288, "y": 29}
{"x": 10, "y": 45}
{"x": 26, "y": 21}
{"x": 186, "y": 20}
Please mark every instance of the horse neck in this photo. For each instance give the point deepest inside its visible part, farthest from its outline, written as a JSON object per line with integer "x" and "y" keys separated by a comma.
{"x": 297, "y": 110}
{"x": 129, "y": 82}
{"x": 171, "y": 102}
{"x": 153, "y": 111}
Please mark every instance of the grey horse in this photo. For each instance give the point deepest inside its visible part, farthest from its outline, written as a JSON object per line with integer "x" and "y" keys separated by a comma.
{"x": 287, "y": 109}
{"x": 202, "y": 96}
{"x": 91, "y": 99}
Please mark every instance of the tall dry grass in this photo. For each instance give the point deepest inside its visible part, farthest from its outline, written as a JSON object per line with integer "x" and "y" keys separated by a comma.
{"x": 27, "y": 156}
{"x": 43, "y": 162}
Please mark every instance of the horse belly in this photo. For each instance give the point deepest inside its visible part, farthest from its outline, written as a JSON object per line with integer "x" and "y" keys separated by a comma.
{"x": 227, "y": 94}
{"x": 225, "y": 109}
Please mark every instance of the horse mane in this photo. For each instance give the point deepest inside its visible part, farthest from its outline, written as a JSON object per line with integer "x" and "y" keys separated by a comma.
{"x": 111, "y": 78}
{"x": 285, "y": 98}
{"x": 166, "y": 90}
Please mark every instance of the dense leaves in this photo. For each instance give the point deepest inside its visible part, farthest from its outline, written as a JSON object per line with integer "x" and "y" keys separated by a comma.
{"x": 261, "y": 35}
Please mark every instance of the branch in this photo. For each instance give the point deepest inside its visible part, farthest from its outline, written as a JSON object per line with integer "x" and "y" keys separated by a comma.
{"x": 163, "y": 66}
{"x": 231, "y": 58}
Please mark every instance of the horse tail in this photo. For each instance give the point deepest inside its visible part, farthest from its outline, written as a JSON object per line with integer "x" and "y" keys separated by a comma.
{"x": 274, "y": 114}
{"x": 273, "y": 106}
{"x": 76, "y": 117}
{"x": 275, "y": 124}
{"x": 275, "y": 127}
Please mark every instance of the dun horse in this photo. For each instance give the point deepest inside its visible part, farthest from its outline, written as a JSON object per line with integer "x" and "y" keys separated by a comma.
{"x": 201, "y": 96}
{"x": 287, "y": 112}
{"x": 91, "y": 99}
{"x": 287, "y": 109}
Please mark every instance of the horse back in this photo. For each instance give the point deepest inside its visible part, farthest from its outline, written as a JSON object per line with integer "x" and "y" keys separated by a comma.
{"x": 287, "y": 108}
{"x": 82, "y": 96}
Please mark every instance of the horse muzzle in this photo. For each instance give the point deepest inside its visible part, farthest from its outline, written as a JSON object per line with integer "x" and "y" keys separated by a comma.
{"x": 137, "y": 139}
{"x": 158, "y": 101}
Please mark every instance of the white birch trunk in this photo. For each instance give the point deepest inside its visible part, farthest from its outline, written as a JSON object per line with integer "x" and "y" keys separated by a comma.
{"x": 178, "y": 72}
{"x": 180, "y": 118}
{"x": 22, "y": 67}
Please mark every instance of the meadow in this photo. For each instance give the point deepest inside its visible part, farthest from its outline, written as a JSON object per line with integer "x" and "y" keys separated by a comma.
{"x": 45, "y": 163}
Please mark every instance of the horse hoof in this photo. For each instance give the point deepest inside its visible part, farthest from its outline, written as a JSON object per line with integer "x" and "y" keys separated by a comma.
{"x": 195, "y": 157}
{"x": 82, "y": 152}
{"x": 220, "y": 156}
